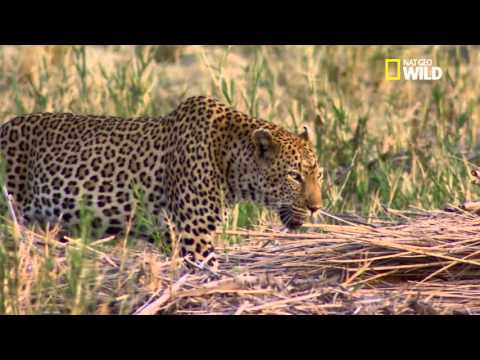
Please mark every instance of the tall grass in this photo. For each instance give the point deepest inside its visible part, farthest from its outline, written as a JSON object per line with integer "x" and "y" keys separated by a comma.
{"x": 383, "y": 144}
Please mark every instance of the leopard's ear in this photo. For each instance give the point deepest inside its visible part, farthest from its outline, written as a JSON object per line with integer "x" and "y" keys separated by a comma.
{"x": 305, "y": 135}
{"x": 266, "y": 148}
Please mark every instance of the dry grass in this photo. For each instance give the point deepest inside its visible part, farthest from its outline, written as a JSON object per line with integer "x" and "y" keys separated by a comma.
{"x": 424, "y": 263}
{"x": 428, "y": 263}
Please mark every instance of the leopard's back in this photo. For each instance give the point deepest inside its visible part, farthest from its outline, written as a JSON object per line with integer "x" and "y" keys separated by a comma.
{"x": 58, "y": 162}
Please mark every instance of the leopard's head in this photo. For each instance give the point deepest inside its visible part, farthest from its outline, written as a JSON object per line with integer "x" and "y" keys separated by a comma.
{"x": 287, "y": 174}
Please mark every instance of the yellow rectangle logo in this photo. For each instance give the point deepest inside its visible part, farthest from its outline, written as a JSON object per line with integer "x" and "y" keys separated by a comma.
{"x": 388, "y": 76}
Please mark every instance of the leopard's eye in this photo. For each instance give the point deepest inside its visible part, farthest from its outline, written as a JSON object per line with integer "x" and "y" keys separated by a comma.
{"x": 320, "y": 174}
{"x": 296, "y": 176}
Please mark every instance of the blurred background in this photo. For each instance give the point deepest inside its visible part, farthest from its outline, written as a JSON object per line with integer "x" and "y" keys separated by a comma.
{"x": 383, "y": 144}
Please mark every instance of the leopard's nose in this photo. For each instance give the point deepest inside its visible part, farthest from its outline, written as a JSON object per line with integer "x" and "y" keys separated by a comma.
{"x": 313, "y": 208}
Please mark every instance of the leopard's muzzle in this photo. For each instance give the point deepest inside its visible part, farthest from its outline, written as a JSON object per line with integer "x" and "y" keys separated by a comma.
{"x": 292, "y": 217}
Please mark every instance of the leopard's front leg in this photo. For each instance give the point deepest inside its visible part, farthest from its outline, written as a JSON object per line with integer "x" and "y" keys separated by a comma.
{"x": 194, "y": 197}
{"x": 199, "y": 249}
{"x": 195, "y": 225}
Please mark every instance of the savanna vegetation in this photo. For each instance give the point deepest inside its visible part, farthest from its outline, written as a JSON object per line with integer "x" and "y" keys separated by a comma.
{"x": 383, "y": 144}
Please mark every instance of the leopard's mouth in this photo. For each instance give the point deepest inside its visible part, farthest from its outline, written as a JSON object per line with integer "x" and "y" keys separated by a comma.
{"x": 292, "y": 217}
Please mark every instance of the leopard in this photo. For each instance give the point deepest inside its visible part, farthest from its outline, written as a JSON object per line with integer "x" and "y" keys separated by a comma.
{"x": 191, "y": 165}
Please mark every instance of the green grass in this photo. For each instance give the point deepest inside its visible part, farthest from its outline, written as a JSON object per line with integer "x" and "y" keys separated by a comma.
{"x": 383, "y": 144}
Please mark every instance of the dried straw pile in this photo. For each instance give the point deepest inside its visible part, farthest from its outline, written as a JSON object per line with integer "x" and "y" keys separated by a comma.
{"x": 424, "y": 263}
{"x": 428, "y": 263}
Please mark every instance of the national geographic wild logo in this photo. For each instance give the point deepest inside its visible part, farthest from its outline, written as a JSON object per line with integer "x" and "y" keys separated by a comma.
{"x": 411, "y": 69}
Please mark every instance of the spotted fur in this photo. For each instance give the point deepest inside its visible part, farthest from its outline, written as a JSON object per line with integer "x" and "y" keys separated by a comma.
{"x": 189, "y": 164}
